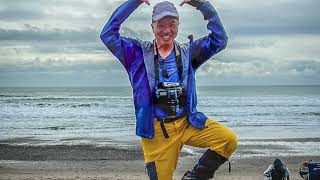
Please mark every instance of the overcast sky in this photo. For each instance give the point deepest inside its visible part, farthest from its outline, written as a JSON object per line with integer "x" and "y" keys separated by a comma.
{"x": 56, "y": 42}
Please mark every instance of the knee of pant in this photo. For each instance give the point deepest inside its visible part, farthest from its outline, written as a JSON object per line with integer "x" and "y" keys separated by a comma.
{"x": 227, "y": 146}
{"x": 232, "y": 141}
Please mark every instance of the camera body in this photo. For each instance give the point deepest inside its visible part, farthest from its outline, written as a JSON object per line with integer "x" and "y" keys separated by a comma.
{"x": 169, "y": 93}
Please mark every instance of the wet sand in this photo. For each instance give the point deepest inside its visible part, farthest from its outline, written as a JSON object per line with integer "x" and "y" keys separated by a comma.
{"x": 23, "y": 161}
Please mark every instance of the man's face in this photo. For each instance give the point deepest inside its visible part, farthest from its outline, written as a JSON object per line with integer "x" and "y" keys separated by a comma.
{"x": 165, "y": 30}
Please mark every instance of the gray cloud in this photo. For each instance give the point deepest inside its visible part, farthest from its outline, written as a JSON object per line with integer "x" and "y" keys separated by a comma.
{"x": 261, "y": 68}
{"x": 305, "y": 66}
{"x": 142, "y": 34}
{"x": 269, "y": 41}
{"x": 272, "y": 17}
{"x": 250, "y": 17}
{"x": 63, "y": 78}
{"x": 286, "y": 73}
{"x": 37, "y": 34}
{"x": 11, "y": 48}
{"x": 19, "y": 10}
{"x": 62, "y": 72}
{"x": 249, "y": 44}
{"x": 39, "y": 64}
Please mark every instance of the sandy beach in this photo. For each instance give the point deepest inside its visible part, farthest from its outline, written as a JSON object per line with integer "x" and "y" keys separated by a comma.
{"x": 25, "y": 161}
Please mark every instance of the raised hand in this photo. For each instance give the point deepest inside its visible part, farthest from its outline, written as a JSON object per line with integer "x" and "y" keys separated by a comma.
{"x": 194, "y": 3}
{"x": 184, "y": 1}
{"x": 145, "y": 1}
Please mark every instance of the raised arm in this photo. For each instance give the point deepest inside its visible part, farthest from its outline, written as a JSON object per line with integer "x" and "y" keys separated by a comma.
{"x": 122, "y": 47}
{"x": 204, "y": 48}
{"x": 267, "y": 172}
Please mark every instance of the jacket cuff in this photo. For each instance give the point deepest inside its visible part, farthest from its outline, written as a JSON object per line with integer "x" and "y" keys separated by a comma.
{"x": 139, "y": 2}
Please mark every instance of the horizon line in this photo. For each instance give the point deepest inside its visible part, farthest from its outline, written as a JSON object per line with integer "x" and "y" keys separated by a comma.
{"x": 126, "y": 86}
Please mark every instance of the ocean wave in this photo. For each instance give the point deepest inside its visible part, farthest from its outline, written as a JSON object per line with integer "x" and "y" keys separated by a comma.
{"x": 282, "y": 114}
{"x": 311, "y": 113}
{"x": 268, "y": 125}
{"x": 71, "y": 105}
{"x": 262, "y": 114}
{"x": 19, "y": 97}
{"x": 5, "y": 95}
{"x": 54, "y": 128}
{"x": 126, "y": 104}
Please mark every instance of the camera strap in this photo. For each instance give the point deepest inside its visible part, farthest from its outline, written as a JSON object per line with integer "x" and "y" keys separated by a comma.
{"x": 164, "y": 130}
{"x": 178, "y": 60}
{"x": 156, "y": 62}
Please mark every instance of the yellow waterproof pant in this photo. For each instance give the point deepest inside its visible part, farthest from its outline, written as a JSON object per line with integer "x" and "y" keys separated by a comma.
{"x": 163, "y": 153}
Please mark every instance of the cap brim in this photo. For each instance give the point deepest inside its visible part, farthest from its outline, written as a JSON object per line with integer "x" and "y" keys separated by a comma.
{"x": 164, "y": 14}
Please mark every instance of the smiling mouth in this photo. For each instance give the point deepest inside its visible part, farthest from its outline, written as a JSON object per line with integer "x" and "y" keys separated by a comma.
{"x": 166, "y": 37}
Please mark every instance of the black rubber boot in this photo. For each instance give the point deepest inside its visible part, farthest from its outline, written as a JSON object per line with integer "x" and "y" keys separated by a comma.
{"x": 206, "y": 167}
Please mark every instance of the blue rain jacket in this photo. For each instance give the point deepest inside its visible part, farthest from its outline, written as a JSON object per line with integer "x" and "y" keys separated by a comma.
{"x": 137, "y": 58}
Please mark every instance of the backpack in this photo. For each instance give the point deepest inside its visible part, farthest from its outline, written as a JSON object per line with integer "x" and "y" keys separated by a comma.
{"x": 278, "y": 173}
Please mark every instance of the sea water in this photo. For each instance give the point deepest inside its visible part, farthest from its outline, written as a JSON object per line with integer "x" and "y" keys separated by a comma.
{"x": 94, "y": 115}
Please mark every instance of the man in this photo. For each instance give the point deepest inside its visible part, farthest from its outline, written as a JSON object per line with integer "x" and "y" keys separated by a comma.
{"x": 162, "y": 76}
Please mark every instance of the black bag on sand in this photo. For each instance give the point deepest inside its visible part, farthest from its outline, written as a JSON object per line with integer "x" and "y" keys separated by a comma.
{"x": 278, "y": 171}
{"x": 277, "y": 174}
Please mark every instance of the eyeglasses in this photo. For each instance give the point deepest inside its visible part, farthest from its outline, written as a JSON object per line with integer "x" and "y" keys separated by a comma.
{"x": 163, "y": 25}
{"x": 163, "y": 69}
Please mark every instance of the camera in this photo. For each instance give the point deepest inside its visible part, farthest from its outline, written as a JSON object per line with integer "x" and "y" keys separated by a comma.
{"x": 168, "y": 93}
